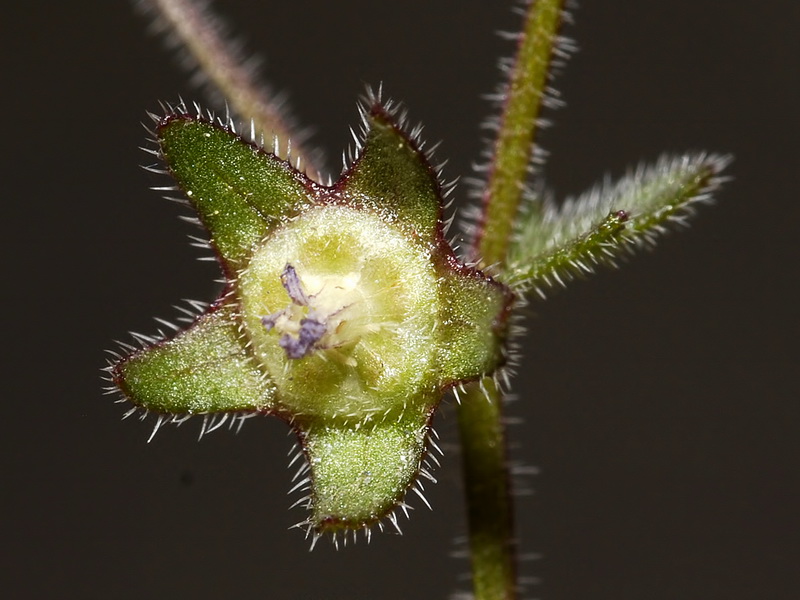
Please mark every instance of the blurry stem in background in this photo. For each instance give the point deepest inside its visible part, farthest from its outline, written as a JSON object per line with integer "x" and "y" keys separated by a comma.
{"x": 200, "y": 33}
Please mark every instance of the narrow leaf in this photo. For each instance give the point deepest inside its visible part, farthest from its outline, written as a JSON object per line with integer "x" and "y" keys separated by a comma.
{"x": 610, "y": 220}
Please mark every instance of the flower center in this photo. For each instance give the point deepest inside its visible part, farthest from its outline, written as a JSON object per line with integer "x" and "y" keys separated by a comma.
{"x": 319, "y": 315}
{"x": 340, "y": 310}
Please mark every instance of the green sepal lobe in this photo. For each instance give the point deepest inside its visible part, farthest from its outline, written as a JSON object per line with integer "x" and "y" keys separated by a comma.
{"x": 239, "y": 191}
{"x": 473, "y": 322}
{"x": 393, "y": 177}
{"x": 204, "y": 369}
{"x": 360, "y": 474}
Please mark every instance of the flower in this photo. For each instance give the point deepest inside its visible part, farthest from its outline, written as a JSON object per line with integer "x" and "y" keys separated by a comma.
{"x": 345, "y": 311}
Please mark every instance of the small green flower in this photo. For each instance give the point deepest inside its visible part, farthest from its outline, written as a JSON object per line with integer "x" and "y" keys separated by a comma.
{"x": 345, "y": 311}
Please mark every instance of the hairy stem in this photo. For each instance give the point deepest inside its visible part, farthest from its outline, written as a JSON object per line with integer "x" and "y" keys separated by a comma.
{"x": 486, "y": 483}
{"x": 524, "y": 95}
{"x": 198, "y": 31}
{"x": 487, "y": 486}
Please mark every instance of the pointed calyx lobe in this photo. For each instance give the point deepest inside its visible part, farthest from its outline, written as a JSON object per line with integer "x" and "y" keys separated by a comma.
{"x": 345, "y": 313}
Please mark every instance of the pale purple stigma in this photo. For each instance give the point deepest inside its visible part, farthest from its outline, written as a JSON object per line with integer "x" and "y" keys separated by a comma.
{"x": 269, "y": 321}
{"x": 311, "y": 331}
{"x": 293, "y": 286}
{"x": 312, "y": 328}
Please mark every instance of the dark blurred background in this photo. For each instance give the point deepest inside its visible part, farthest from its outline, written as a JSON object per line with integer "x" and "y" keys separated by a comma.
{"x": 659, "y": 402}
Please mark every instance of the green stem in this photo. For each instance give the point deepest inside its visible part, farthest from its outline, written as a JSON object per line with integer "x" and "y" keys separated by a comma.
{"x": 200, "y": 34}
{"x": 489, "y": 509}
{"x": 519, "y": 123}
{"x": 487, "y": 485}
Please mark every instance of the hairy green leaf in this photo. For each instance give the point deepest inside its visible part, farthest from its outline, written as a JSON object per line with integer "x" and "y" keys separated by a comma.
{"x": 558, "y": 243}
